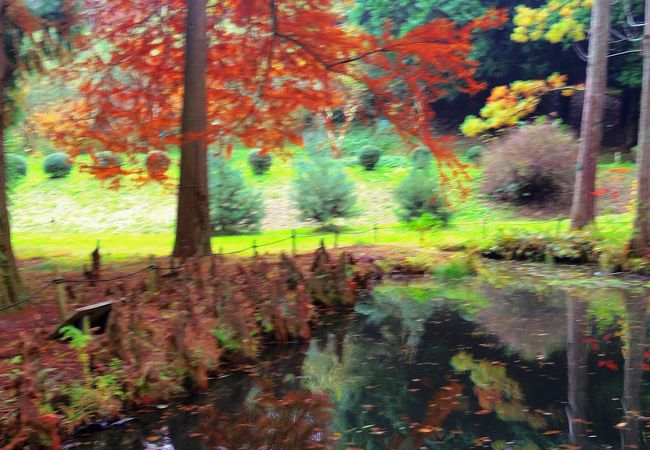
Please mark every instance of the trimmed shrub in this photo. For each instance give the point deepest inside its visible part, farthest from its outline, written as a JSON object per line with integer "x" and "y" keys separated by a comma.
{"x": 107, "y": 159}
{"x": 532, "y": 164}
{"x": 422, "y": 158}
{"x": 57, "y": 165}
{"x": 322, "y": 191}
{"x": 260, "y": 164}
{"x": 16, "y": 167}
{"x": 417, "y": 195}
{"x": 234, "y": 207}
{"x": 369, "y": 157}
{"x": 157, "y": 164}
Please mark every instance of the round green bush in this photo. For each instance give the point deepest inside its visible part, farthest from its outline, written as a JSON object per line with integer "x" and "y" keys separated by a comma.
{"x": 260, "y": 163}
{"x": 107, "y": 159}
{"x": 16, "y": 166}
{"x": 57, "y": 165}
{"x": 369, "y": 157}
{"x": 422, "y": 158}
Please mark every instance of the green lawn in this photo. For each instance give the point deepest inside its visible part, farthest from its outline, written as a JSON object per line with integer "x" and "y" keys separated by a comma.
{"x": 61, "y": 219}
{"x": 71, "y": 249}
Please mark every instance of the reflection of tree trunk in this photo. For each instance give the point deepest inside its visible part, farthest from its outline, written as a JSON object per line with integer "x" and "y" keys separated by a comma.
{"x": 577, "y": 353}
{"x": 637, "y": 328}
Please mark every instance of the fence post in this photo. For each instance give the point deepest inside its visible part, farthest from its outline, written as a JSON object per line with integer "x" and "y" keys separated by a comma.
{"x": 374, "y": 231}
{"x": 336, "y": 238}
{"x": 293, "y": 242}
{"x": 221, "y": 250}
{"x": 254, "y": 248}
{"x": 154, "y": 274}
{"x": 85, "y": 325}
{"x": 60, "y": 294}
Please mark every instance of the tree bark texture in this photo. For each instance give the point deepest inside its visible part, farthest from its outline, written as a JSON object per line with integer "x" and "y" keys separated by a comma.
{"x": 640, "y": 243}
{"x": 10, "y": 284}
{"x": 591, "y": 131}
{"x": 193, "y": 216}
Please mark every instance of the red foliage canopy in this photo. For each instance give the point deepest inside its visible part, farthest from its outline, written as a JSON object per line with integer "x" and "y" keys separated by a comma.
{"x": 269, "y": 62}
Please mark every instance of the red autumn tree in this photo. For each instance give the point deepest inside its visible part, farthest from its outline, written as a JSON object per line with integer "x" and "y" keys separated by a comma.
{"x": 269, "y": 63}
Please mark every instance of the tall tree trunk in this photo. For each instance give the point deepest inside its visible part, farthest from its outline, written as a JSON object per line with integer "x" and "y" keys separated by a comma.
{"x": 193, "y": 216}
{"x": 640, "y": 244}
{"x": 591, "y": 130}
{"x": 10, "y": 285}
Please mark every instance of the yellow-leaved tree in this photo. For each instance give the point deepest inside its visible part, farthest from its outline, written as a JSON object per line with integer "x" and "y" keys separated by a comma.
{"x": 559, "y": 21}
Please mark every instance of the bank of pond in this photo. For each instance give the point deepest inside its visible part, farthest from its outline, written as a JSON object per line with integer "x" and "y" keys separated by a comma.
{"x": 519, "y": 356}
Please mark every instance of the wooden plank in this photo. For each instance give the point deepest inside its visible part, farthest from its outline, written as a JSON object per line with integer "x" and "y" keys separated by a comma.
{"x": 97, "y": 316}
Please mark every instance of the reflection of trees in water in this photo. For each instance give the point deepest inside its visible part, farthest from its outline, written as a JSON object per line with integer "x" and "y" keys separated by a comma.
{"x": 369, "y": 384}
{"x": 394, "y": 386}
{"x": 296, "y": 420}
{"x": 637, "y": 321}
{"x": 495, "y": 390}
{"x": 528, "y": 322}
{"x": 390, "y": 373}
{"x": 577, "y": 355}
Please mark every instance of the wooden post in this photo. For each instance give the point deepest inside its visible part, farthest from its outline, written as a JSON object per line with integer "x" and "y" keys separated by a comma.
{"x": 60, "y": 294}
{"x": 154, "y": 274}
{"x": 85, "y": 325}
{"x": 336, "y": 238}
{"x": 374, "y": 230}
{"x": 254, "y": 248}
{"x": 293, "y": 242}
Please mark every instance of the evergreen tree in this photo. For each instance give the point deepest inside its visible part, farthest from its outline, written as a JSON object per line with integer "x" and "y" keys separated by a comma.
{"x": 234, "y": 207}
{"x": 322, "y": 190}
{"x": 418, "y": 194}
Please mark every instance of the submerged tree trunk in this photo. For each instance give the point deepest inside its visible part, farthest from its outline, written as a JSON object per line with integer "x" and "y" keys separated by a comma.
{"x": 640, "y": 244}
{"x": 591, "y": 130}
{"x": 10, "y": 285}
{"x": 193, "y": 217}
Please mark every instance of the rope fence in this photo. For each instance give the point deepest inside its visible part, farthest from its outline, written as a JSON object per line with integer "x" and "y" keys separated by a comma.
{"x": 554, "y": 227}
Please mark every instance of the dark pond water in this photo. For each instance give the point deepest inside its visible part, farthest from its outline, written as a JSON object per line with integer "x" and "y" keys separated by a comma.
{"x": 522, "y": 357}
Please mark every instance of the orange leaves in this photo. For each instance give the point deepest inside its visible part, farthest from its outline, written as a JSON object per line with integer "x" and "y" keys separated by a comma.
{"x": 493, "y": 18}
{"x": 270, "y": 64}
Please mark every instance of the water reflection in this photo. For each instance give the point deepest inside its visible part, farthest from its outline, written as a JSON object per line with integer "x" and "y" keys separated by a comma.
{"x": 502, "y": 362}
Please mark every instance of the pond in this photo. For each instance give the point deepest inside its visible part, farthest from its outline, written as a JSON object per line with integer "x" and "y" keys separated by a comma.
{"x": 520, "y": 357}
